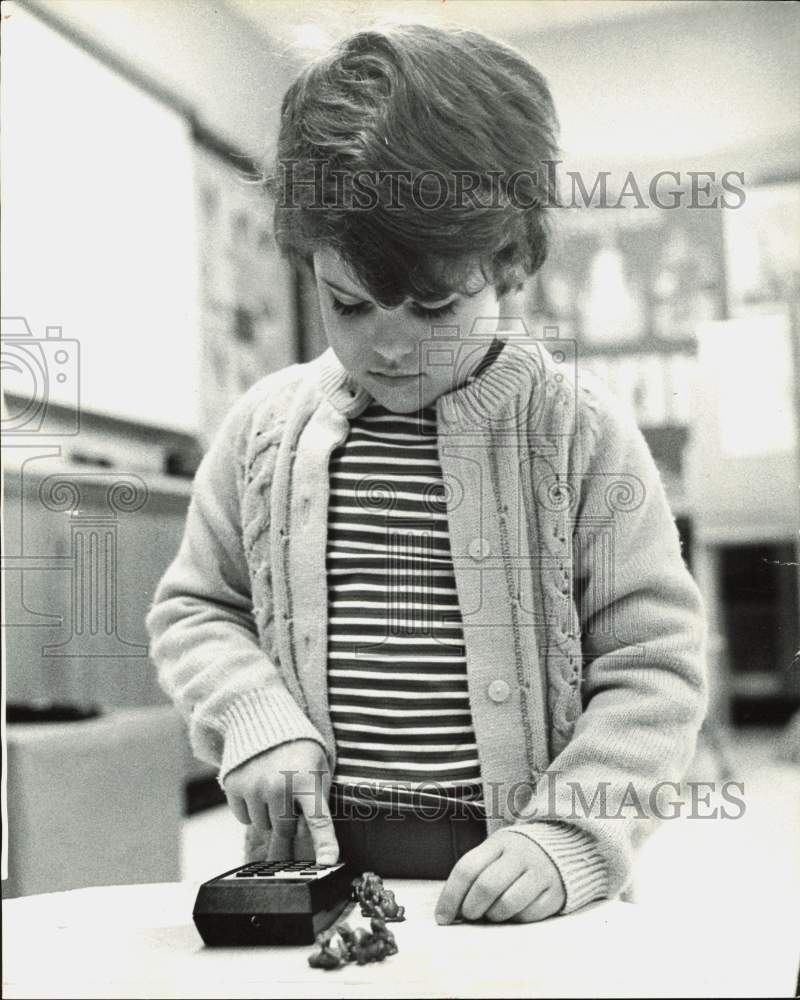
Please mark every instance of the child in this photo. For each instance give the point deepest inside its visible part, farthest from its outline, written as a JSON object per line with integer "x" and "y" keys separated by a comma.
{"x": 430, "y": 574}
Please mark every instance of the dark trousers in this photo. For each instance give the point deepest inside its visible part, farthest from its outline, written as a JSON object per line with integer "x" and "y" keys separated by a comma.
{"x": 400, "y": 842}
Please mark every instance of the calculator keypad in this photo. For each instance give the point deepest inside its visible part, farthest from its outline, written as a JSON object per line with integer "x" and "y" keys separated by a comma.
{"x": 281, "y": 870}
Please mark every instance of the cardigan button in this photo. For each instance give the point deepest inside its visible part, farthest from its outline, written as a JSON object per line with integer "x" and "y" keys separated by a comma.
{"x": 499, "y": 691}
{"x": 479, "y": 549}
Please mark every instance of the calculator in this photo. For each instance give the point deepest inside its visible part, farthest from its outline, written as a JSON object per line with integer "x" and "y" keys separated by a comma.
{"x": 272, "y": 902}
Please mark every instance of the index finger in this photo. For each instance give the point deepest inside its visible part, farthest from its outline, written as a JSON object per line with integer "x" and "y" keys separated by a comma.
{"x": 464, "y": 873}
{"x": 320, "y": 825}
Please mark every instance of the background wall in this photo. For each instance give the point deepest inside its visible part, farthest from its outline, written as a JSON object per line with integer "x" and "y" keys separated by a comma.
{"x": 701, "y": 85}
{"x": 206, "y": 53}
{"x": 674, "y": 81}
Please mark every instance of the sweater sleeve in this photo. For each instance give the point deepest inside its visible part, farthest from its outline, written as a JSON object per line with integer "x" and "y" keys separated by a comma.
{"x": 203, "y": 636}
{"x": 644, "y": 684}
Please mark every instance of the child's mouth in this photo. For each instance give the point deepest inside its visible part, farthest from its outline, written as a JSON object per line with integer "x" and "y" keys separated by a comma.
{"x": 394, "y": 379}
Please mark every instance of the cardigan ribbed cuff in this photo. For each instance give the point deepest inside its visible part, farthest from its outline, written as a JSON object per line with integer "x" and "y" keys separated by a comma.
{"x": 574, "y": 853}
{"x": 260, "y": 720}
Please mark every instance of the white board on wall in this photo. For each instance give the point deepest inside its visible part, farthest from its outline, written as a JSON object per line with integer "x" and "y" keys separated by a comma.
{"x": 99, "y": 229}
{"x": 743, "y": 464}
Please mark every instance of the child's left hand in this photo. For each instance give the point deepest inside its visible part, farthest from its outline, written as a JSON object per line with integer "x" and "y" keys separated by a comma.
{"x": 507, "y": 877}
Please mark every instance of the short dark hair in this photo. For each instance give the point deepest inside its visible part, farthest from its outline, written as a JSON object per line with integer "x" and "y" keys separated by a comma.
{"x": 431, "y": 103}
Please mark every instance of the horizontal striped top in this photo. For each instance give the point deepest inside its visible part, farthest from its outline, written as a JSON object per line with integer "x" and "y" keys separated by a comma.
{"x": 397, "y": 678}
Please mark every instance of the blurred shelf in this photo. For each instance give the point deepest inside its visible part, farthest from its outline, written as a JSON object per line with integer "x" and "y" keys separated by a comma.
{"x": 756, "y": 685}
{"x": 647, "y": 345}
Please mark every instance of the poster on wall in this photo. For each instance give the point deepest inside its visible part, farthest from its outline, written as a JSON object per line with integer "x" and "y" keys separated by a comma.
{"x": 247, "y": 292}
{"x": 631, "y": 285}
{"x": 760, "y": 379}
{"x": 762, "y": 250}
{"x": 630, "y": 278}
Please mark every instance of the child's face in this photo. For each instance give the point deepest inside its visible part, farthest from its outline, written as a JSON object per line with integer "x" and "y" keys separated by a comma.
{"x": 384, "y": 350}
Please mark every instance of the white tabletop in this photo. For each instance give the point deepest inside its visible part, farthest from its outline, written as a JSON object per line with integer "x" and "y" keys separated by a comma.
{"x": 139, "y": 941}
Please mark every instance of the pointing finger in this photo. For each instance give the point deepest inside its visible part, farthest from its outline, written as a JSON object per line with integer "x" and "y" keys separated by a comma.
{"x": 320, "y": 826}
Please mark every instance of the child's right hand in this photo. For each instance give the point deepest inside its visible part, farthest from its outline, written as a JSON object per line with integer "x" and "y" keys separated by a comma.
{"x": 265, "y": 790}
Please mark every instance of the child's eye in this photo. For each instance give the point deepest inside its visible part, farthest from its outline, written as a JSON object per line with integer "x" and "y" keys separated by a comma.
{"x": 444, "y": 310}
{"x": 348, "y": 308}
{"x": 357, "y": 308}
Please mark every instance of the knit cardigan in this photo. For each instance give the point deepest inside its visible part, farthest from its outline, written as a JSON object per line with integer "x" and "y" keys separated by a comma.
{"x": 584, "y": 631}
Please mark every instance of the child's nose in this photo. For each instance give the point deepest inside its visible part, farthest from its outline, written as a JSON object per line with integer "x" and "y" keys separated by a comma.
{"x": 393, "y": 346}
{"x": 388, "y": 363}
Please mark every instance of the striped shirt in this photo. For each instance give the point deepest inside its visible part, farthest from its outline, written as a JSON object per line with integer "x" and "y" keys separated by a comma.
{"x": 397, "y": 676}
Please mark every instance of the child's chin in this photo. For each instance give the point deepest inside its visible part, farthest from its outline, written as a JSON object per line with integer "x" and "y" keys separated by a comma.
{"x": 394, "y": 406}
{"x": 407, "y": 399}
